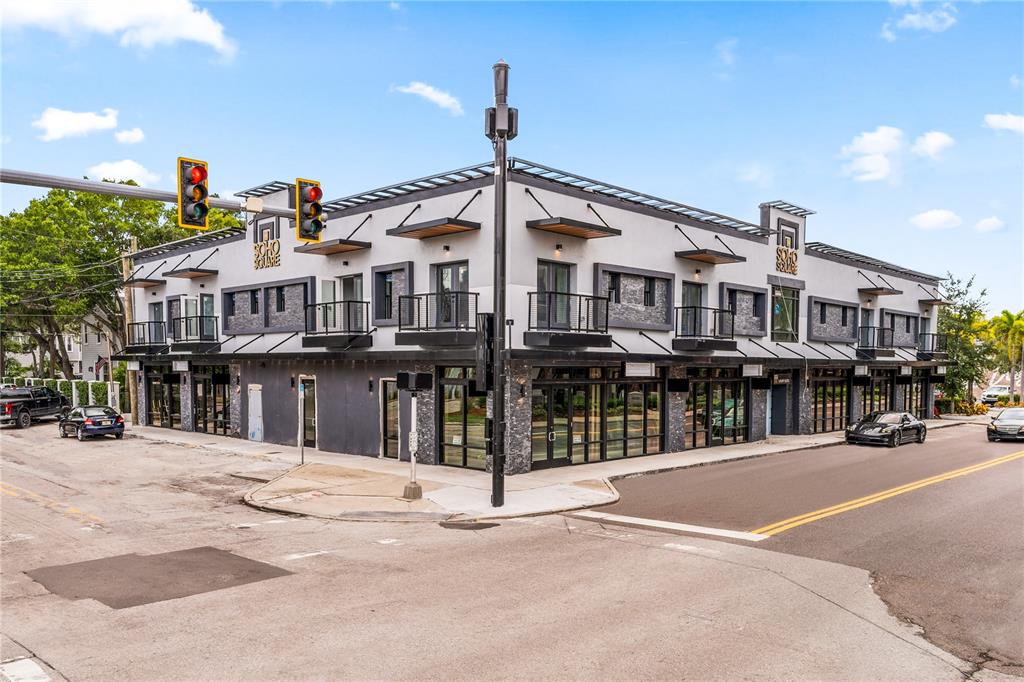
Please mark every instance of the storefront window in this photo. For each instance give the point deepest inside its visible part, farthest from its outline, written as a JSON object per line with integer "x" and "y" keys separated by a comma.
{"x": 716, "y": 408}
{"x": 785, "y": 314}
{"x": 830, "y": 398}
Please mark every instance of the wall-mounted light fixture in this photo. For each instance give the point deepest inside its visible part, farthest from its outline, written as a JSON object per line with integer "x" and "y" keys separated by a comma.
{"x": 345, "y": 263}
{"x": 696, "y": 274}
{"x": 446, "y": 248}
{"x": 370, "y": 382}
{"x": 293, "y": 382}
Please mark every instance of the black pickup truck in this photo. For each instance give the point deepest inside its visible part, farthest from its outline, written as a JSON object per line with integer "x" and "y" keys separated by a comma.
{"x": 21, "y": 406}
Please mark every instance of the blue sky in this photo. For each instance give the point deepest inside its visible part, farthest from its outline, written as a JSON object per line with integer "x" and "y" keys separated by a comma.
{"x": 899, "y": 123}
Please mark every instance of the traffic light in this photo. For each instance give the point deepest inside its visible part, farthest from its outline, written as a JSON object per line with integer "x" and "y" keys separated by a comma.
{"x": 193, "y": 194}
{"x": 309, "y": 214}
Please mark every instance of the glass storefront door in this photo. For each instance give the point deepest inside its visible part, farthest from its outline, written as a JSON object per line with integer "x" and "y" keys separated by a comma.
{"x": 830, "y": 399}
{"x": 452, "y": 308}
{"x": 390, "y": 434}
{"x": 551, "y": 410}
{"x": 211, "y": 400}
{"x": 163, "y": 393}
{"x": 878, "y": 395}
{"x": 552, "y": 309}
{"x": 463, "y": 428}
{"x": 716, "y": 408}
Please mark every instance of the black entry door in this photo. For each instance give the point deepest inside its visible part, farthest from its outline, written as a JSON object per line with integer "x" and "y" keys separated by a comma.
{"x": 552, "y": 295}
{"x": 551, "y": 431}
{"x": 780, "y": 394}
{"x": 389, "y": 424}
{"x": 308, "y": 398}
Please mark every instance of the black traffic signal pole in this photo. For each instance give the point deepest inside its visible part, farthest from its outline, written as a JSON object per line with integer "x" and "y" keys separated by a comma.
{"x": 17, "y": 177}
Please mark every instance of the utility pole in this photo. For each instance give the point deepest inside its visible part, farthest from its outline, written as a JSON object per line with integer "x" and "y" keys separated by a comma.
{"x": 129, "y": 317}
{"x": 502, "y": 124}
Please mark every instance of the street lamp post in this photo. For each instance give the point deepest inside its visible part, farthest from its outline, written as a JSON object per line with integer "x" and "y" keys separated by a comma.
{"x": 501, "y": 125}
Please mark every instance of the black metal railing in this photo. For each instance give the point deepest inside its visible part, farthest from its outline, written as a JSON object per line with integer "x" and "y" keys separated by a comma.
{"x": 559, "y": 311}
{"x": 874, "y": 337}
{"x": 337, "y": 317}
{"x": 194, "y": 328}
{"x": 445, "y": 310}
{"x": 146, "y": 333}
{"x": 704, "y": 323}
{"x": 931, "y": 343}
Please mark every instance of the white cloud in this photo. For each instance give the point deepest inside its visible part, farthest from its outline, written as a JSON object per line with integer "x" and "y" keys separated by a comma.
{"x": 1015, "y": 82}
{"x": 990, "y": 224}
{"x": 869, "y": 154}
{"x": 726, "y": 51}
{"x": 936, "y": 219}
{"x": 431, "y": 94}
{"x": 394, "y": 6}
{"x": 1011, "y": 122}
{"x": 755, "y": 173}
{"x": 60, "y": 123}
{"x": 132, "y": 136}
{"x": 932, "y": 144}
{"x": 914, "y": 18}
{"x": 122, "y": 170}
{"x": 136, "y": 23}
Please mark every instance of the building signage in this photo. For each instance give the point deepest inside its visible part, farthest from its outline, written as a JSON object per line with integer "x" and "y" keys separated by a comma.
{"x": 266, "y": 254}
{"x": 638, "y": 369}
{"x": 133, "y": 366}
{"x": 904, "y": 370}
{"x": 179, "y": 365}
{"x": 785, "y": 260}
{"x": 780, "y": 379}
{"x": 860, "y": 370}
{"x": 753, "y": 370}
{"x": 941, "y": 369}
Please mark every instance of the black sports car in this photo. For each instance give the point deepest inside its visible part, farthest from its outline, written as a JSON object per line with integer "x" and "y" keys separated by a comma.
{"x": 887, "y": 428}
{"x": 1007, "y": 425}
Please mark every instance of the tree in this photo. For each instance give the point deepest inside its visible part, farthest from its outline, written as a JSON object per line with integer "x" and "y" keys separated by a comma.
{"x": 60, "y": 262}
{"x": 964, "y": 324}
{"x": 1007, "y": 330}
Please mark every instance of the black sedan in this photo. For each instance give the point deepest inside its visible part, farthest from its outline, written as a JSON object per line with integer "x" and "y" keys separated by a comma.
{"x": 1007, "y": 425}
{"x": 92, "y": 420}
{"x": 887, "y": 428}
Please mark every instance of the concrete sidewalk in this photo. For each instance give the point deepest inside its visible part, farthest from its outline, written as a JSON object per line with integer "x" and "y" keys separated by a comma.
{"x": 351, "y": 487}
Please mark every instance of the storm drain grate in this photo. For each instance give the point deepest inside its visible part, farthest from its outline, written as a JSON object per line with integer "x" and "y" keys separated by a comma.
{"x": 133, "y": 579}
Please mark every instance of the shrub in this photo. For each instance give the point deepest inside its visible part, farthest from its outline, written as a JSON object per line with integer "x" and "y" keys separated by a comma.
{"x": 944, "y": 406}
{"x": 20, "y": 381}
{"x": 50, "y": 383}
{"x": 83, "y": 391}
{"x": 64, "y": 387}
{"x": 98, "y": 393}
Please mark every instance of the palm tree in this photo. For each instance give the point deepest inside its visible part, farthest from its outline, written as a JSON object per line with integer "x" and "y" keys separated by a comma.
{"x": 1008, "y": 330}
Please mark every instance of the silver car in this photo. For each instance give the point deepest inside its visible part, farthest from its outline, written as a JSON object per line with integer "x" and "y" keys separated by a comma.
{"x": 1007, "y": 425}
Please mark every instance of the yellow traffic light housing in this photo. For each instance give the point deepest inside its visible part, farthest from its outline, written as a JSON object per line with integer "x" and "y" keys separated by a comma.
{"x": 309, "y": 214}
{"x": 193, "y": 194}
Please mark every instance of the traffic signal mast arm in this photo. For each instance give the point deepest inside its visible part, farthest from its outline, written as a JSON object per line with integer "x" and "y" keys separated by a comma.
{"x": 30, "y": 179}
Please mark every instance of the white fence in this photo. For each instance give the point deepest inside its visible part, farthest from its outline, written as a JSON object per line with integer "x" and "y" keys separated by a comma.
{"x": 111, "y": 389}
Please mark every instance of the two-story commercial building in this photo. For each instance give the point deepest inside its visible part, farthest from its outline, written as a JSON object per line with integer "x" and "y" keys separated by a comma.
{"x": 636, "y": 325}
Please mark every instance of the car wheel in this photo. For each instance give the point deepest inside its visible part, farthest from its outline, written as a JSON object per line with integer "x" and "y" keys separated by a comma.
{"x": 119, "y": 436}
{"x": 64, "y": 412}
{"x": 80, "y": 434}
{"x": 63, "y": 433}
{"x": 24, "y": 420}
{"x": 894, "y": 440}
{"x": 921, "y": 435}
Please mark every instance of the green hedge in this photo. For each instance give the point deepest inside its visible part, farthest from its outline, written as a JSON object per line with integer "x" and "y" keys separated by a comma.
{"x": 64, "y": 387}
{"x": 98, "y": 394}
{"x": 83, "y": 391}
{"x": 20, "y": 381}
{"x": 50, "y": 383}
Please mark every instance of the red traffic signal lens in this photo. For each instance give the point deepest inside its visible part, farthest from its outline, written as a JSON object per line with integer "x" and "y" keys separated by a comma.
{"x": 198, "y": 174}
{"x": 314, "y": 193}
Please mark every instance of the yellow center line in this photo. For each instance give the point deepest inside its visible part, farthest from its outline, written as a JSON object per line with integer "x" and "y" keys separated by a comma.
{"x": 48, "y": 502}
{"x": 793, "y": 522}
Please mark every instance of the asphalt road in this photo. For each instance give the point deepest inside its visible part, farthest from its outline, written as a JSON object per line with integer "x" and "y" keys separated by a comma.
{"x": 135, "y": 560}
{"x": 947, "y": 555}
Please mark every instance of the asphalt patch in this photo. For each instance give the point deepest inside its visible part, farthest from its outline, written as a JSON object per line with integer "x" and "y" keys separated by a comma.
{"x": 467, "y": 525}
{"x": 132, "y": 579}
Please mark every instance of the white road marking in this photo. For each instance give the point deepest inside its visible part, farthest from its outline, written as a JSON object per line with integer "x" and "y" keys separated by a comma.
{"x": 16, "y": 537}
{"x": 690, "y": 548}
{"x": 306, "y": 555}
{"x": 23, "y": 670}
{"x": 387, "y": 541}
{"x": 669, "y": 525}
{"x": 259, "y": 523}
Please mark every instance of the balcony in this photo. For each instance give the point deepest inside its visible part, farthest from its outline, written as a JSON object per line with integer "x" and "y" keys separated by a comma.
{"x": 194, "y": 333}
{"x": 338, "y": 324}
{"x": 146, "y": 337}
{"x": 702, "y": 329}
{"x": 931, "y": 347}
{"x": 564, "y": 320}
{"x": 874, "y": 342}
{"x": 444, "y": 318}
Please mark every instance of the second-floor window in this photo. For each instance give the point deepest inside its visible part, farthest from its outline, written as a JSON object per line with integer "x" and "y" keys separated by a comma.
{"x": 649, "y": 291}
{"x": 254, "y": 302}
{"x": 279, "y": 295}
{"x": 614, "y": 287}
{"x": 846, "y": 316}
{"x": 822, "y": 313}
{"x": 385, "y": 301}
{"x": 785, "y": 314}
{"x": 229, "y": 302}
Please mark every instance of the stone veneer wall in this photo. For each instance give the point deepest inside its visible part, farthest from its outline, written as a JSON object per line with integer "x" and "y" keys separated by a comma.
{"x": 675, "y": 431}
{"x": 294, "y": 314}
{"x": 187, "y": 413}
{"x": 898, "y": 394}
{"x": 243, "y": 320}
{"x": 757, "y": 414}
{"x": 141, "y": 399}
{"x": 518, "y": 419}
{"x": 426, "y": 424}
{"x": 856, "y": 397}
{"x": 833, "y": 328}
{"x": 630, "y": 310}
{"x": 235, "y": 393}
{"x": 805, "y": 397}
{"x": 745, "y": 322}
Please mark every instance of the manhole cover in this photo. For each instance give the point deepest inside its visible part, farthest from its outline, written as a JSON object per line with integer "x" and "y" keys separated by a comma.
{"x": 467, "y": 525}
{"x": 134, "y": 579}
